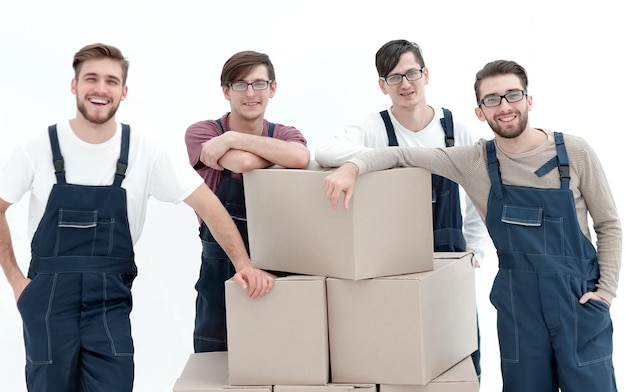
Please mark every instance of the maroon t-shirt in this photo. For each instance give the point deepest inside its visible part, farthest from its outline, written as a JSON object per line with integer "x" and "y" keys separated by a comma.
{"x": 202, "y": 131}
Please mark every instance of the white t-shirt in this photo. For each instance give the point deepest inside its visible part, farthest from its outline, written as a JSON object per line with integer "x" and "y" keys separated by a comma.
{"x": 369, "y": 133}
{"x": 153, "y": 170}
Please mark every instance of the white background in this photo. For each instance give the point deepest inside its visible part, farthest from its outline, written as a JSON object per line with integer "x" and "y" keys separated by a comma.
{"x": 323, "y": 52}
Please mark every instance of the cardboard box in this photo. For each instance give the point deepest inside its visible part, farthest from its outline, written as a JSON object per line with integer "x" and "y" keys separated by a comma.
{"x": 405, "y": 329}
{"x": 460, "y": 378}
{"x": 326, "y": 388}
{"x": 387, "y": 229}
{"x": 208, "y": 372}
{"x": 280, "y": 338}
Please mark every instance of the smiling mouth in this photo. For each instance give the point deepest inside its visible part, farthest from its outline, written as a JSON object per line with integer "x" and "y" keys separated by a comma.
{"x": 98, "y": 101}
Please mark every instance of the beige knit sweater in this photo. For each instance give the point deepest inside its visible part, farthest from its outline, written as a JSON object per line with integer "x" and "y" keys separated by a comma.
{"x": 467, "y": 165}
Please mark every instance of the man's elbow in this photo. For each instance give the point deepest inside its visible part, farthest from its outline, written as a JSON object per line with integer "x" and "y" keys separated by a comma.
{"x": 302, "y": 160}
{"x": 247, "y": 163}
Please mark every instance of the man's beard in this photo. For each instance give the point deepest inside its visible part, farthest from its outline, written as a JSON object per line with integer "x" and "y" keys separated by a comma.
{"x": 499, "y": 130}
{"x": 93, "y": 119}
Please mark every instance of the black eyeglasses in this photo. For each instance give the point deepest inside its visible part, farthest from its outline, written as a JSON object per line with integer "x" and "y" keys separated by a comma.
{"x": 394, "y": 79}
{"x": 257, "y": 85}
{"x": 491, "y": 101}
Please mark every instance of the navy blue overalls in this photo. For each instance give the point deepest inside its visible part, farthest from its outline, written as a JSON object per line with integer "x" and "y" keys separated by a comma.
{"x": 548, "y": 340}
{"x": 76, "y": 309}
{"x": 447, "y": 218}
{"x": 210, "y": 324}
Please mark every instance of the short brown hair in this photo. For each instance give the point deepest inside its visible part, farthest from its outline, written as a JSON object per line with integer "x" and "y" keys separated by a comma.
{"x": 500, "y": 67}
{"x": 100, "y": 51}
{"x": 240, "y": 64}
{"x": 388, "y": 56}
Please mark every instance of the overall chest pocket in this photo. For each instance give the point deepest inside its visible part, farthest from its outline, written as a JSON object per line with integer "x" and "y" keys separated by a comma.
{"x": 84, "y": 233}
{"x": 528, "y": 229}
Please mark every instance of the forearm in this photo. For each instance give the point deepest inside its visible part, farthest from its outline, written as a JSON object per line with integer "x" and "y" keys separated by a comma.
{"x": 609, "y": 242}
{"x": 600, "y": 204}
{"x": 239, "y": 161}
{"x": 221, "y": 225}
{"x": 334, "y": 152}
{"x": 391, "y": 157}
{"x": 278, "y": 152}
{"x": 455, "y": 163}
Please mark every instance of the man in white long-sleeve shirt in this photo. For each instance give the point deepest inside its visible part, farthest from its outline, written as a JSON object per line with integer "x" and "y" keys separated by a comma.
{"x": 411, "y": 122}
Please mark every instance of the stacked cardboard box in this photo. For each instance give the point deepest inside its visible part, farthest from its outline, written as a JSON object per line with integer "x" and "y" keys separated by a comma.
{"x": 404, "y": 329}
{"x": 367, "y": 302}
{"x": 208, "y": 372}
{"x": 386, "y": 231}
{"x": 281, "y": 338}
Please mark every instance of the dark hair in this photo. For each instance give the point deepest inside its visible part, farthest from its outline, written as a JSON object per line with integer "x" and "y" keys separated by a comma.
{"x": 389, "y": 55}
{"x": 500, "y": 67}
{"x": 240, "y": 64}
{"x": 100, "y": 51}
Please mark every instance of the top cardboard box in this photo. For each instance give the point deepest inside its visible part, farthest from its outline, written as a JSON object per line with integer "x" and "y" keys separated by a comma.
{"x": 387, "y": 229}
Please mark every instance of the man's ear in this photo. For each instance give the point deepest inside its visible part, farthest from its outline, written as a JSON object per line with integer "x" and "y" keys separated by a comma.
{"x": 382, "y": 85}
{"x": 124, "y": 92}
{"x": 480, "y": 114}
{"x": 273, "y": 88}
{"x": 226, "y": 91}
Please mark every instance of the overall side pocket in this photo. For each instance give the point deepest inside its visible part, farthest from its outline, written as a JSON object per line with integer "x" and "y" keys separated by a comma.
{"x": 34, "y": 306}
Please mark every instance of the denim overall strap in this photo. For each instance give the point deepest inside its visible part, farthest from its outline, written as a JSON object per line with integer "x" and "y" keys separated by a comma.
{"x": 494, "y": 168}
{"x": 57, "y": 159}
{"x": 560, "y": 161}
{"x": 391, "y": 133}
{"x": 122, "y": 163}
{"x": 561, "y": 154}
{"x": 448, "y": 127}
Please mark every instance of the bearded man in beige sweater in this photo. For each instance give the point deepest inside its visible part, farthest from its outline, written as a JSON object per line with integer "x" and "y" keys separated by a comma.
{"x": 534, "y": 189}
